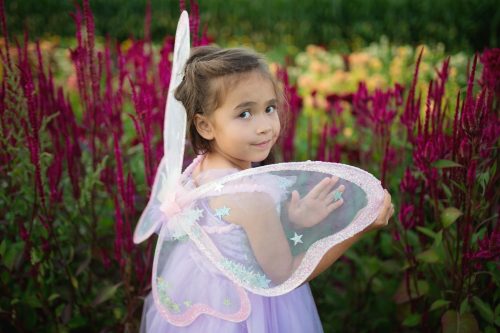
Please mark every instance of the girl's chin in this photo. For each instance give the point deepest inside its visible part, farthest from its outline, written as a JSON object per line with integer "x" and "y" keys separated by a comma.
{"x": 261, "y": 157}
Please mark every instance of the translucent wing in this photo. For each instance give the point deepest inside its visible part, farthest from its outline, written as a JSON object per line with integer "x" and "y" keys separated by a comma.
{"x": 283, "y": 256}
{"x": 169, "y": 170}
{"x": 185, "y": 283}
{"x": 174, "y": 132}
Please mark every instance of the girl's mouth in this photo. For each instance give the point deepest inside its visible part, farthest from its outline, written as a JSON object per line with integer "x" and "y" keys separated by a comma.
{"x": 262, "y": 144}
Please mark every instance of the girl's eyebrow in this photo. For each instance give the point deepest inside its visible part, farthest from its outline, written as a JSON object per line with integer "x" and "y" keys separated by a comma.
{"x": 251, "y": 103}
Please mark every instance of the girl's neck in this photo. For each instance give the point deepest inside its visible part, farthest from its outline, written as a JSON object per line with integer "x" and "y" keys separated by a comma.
{"x": 212, "y": 165}
{"x": 215, "y": 160}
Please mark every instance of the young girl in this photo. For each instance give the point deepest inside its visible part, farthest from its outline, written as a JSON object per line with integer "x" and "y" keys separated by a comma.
{"x": 252, "y": 236}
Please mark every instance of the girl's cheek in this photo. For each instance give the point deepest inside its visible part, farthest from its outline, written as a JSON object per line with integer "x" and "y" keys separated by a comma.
{"x": 278, "y": 126}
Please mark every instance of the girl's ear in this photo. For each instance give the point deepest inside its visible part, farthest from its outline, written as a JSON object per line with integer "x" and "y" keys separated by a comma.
{"x": 204, "y": 127}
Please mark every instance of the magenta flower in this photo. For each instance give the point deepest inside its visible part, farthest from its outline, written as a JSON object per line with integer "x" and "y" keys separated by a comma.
{"x": 408, "y": 184}
{"x": 491, "y": 71}
{"x": 406, "y": 216}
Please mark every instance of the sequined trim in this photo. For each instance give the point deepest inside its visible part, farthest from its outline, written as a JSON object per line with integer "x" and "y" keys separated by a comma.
{"x": 245, "y": 275}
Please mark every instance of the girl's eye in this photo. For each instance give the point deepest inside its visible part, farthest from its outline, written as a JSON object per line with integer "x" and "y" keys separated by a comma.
{"x": 271, "y": 109}
{"x": 244, "y": 115}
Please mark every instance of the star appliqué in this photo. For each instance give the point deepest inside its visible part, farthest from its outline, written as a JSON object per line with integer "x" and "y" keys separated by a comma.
{"x": 227, "y": 301}
{"x": 296, "y": 238}
{"x": 221, "y": 212}
{"x": 218, "y": 187}
{"x": 337, "y": 195}
{"x": 193, "y": 215}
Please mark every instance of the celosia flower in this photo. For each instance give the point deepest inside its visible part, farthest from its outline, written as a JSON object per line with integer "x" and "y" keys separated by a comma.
{"x": 408, "y": 183}
{"x": 491, "y": 71}
{"x": 406, "y": 216}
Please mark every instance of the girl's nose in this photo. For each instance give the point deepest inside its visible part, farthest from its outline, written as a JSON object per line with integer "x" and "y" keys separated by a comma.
{"x": 264, "y": 125}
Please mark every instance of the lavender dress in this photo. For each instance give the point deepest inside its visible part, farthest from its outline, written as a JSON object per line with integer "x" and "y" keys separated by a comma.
{"x": 188, "y": 276}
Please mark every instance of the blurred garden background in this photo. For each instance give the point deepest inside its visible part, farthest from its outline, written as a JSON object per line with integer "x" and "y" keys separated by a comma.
{"x": 407, "y": 90}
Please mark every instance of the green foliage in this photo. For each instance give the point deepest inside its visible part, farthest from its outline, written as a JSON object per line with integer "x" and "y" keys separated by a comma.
{"x": 344, "y": 25}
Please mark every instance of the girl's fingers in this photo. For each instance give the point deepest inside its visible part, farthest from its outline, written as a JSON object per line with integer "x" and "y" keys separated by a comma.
{"x": 331, "y": 207}
{"x": 387, "y": 209}
{"x": 328, "y": 188}
{"x": 387, "y": 202}
{"x": 334, "y": 195}
{"x": 294, "y": 200}
{"x": 315, "y": 192}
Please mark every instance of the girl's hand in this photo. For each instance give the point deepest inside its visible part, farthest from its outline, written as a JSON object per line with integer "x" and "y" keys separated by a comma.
{"x": 316, "y": 205}
{"x": 385, "y": 213}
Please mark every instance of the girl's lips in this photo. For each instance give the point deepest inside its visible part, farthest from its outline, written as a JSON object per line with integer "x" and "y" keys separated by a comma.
{"x": 263, "y": 144}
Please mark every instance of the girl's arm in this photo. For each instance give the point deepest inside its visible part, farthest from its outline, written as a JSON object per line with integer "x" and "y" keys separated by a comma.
{"x": 256, "y": 213}
{"x": 333, "y": 254}
{"x": 338, "y": 250}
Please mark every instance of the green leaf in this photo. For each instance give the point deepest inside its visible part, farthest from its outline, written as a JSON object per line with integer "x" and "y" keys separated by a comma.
{"x": 442, "y": 164}
{"x": 439, "y": 304}
{"x": 447, "y": 190}
{"x": 490, "y": 329}
{"x": 106, "y": 293}
{"x": 427, "y": 232}
{"x": 439, "y": 238}
{"x": 429, "y": 256}
{"x": 35, "y": 256}
{"x": 484, "y": 309}
{"x": 453, "y": 322}
{"x": 118, "y": 313}
{"x": 483, "y": 179}
{"x": 460, "y": 186}
{"x": 449, "y": 216}
{"x": 412, "y": 320}
{"x": 74, "y": 282}
{"x": 31, "y": 300}
{"x": 464, "y": 306}
{"x": 53, "y": 297}
{"x": 12, "y": 253}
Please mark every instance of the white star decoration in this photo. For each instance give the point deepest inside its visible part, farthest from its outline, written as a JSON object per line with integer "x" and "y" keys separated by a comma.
{"x": 194, "y": 215}
{"x": 218, "y": 187}
{"x": 296, "y": 238}
{"x": 221, "y": 212}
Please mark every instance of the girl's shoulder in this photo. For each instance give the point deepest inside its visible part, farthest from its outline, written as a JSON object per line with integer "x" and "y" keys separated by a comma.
{"x": 270, "y": 184}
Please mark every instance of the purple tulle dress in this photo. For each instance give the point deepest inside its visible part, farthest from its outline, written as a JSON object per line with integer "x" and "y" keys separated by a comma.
{"x": 188, "y": 276}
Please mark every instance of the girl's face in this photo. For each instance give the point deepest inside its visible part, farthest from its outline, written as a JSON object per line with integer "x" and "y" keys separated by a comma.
{"x": 246, "y": 126}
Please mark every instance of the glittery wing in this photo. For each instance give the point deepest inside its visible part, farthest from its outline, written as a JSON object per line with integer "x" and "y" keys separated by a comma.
{"x": 185, "y": 283}
{"x": 257, "y": 236}
{"x": 169, "y": 169}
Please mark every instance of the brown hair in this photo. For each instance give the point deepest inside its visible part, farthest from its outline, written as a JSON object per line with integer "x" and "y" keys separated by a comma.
{"x": 208, "y": 73}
